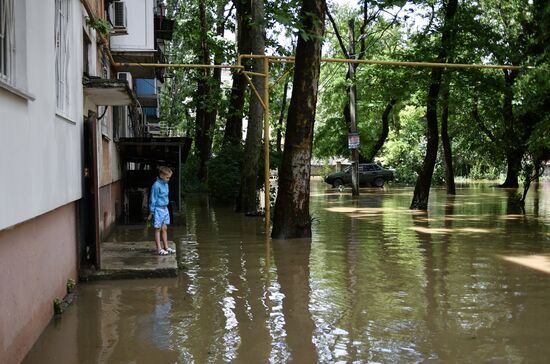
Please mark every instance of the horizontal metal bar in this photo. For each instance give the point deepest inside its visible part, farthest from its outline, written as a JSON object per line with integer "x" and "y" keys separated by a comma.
{"x": 392, "y": 63}
{"x": 176, "y": 65}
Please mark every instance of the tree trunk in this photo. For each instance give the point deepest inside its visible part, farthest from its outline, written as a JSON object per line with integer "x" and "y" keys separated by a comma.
{"x": 203, "y": 124}
{"x": 291, "y": 218}
{"x": 385, "y": 131}
{"x": 234, "y": 125}
{"x": 211, "y": 95}
{"x": 249, "y": 172}
{"x": 215, "y": 95}
{"x": 446, "y": 141}
{"x": 282, "y": 117}
{"x": 424, "y": 180}
{"x": 515, "y": 142}
{"x": 513, "y": 161}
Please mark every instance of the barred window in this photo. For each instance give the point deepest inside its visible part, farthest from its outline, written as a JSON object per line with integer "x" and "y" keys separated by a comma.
{"x": 62, "y": 53}
{"x": 7, "y": 42}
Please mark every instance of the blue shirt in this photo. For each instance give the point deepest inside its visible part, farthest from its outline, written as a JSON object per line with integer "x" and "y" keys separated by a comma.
{"x": 159, "y": 195}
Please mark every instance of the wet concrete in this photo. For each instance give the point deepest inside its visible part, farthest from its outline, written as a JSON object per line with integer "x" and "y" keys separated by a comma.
{"x": 377, "y": 282}
{"x": 134, "y": 259}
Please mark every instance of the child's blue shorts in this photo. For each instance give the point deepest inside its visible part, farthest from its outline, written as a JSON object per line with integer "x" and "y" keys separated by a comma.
{"x": 161, "y": 216}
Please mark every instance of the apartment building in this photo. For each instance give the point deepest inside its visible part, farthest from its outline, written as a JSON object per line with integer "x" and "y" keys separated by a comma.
{"x": 65, "y": 105}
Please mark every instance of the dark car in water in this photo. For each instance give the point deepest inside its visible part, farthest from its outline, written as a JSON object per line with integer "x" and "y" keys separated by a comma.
{"x": 370, "y": 174}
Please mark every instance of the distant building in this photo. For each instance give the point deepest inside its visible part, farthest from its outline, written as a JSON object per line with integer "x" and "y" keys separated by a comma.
{"x": 64, "y": 106}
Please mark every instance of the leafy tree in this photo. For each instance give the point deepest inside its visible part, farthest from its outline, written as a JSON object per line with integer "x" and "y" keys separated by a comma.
{"x": 223, "y": 173}
{"x": 249, "y": 172}
{"x": 192, "y": 97}
{"x": 291, "y": 218}
{"x": 424, "y": 180}
{"x": 233, "y": 126}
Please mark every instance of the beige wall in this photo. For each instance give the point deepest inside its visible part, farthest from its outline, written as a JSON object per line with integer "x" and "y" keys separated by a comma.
{"x": 110, "y": 207}
{"x": 36, "y": 259}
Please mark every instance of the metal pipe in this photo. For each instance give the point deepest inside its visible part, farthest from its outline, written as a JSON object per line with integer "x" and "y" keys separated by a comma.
{"x": 266, "y": 147}
{"x": 389, "y": 63}
{"x": 282, "y": 77}
{"x": 260, "y": 99}
{"x": 176, "y": 65}
{"x": 250, "y": 73}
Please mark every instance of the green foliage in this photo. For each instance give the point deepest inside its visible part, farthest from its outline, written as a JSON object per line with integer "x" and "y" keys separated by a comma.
{"x": 179, "y": 97}
{"x": 224, "y": 176}
{"x": 275, "y": 161}
{"x": 57, "y": 306}
{"x": 71, "y": 285}
{"x": 331, "y": 139}
{"x": 189, "y": 180}
{"x": 101, "y": 26}
{"x": 487, "y": 31}
{"x": 404, "y": 151}
{"x": 481, "y": 170}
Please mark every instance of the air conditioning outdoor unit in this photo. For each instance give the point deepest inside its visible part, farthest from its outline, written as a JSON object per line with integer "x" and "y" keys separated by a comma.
{"x": 125, "y": 76}
{"x": 120, "y": 15}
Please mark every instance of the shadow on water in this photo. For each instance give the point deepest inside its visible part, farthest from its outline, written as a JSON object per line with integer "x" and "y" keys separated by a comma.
{"x": 377, "y": 282}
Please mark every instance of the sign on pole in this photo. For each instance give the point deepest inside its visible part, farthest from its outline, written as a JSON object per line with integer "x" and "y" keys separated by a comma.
{"x": 353, "y": 141}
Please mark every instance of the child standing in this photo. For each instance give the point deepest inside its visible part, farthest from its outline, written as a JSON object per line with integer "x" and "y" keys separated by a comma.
{"x": 158, "y": 210}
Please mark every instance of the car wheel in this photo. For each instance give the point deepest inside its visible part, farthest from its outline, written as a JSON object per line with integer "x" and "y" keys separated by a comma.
{"x": 337, "y": 182}
{"x": 379, "y": 182}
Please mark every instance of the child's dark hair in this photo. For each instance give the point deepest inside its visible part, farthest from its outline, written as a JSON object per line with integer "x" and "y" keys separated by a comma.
{"x": 165, "y": 170}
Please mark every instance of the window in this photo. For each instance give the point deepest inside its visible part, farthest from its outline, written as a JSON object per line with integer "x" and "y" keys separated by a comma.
{"x": 86, "y": 44}
{"x": 7, "y": 42}
{"x": 62, "y": 54}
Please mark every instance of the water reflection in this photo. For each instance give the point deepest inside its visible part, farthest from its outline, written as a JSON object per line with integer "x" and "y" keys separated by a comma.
{"x": 376, "y": 283}
{"x": 292, "y": 261}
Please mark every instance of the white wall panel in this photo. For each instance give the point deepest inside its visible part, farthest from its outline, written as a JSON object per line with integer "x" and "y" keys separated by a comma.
{"x": 40, "y": 152}
{"x": 140, "y": 28}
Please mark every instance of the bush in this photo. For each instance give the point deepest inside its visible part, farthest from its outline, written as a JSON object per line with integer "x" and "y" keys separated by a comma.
{"x": 224, "y": 173}
{"x": 189, "y": 180}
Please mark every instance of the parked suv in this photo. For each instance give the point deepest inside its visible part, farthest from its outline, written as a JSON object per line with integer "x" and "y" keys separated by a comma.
{"x": 370, "y": 174}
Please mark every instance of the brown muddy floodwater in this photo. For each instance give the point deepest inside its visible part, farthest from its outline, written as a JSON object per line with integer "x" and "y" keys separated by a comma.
{"x": 376, "y": 283}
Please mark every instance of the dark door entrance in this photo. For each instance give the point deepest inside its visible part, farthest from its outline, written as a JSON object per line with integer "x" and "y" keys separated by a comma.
{"x": 88, "y": 224}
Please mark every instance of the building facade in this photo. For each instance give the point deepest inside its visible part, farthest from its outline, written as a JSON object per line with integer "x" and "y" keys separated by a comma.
{"x": 63, "y": 109}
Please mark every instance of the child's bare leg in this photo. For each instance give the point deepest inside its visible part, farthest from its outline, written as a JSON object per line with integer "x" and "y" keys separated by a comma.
{"x": 157, "y": 239}
{"x": 165, "y": 236}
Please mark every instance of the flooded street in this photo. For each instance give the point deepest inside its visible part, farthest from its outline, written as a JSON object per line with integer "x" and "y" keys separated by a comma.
{"x": 376, "y": 283}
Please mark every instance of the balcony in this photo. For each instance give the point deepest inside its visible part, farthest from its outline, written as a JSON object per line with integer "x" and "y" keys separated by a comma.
{"x": 147, "y": 92}
{"x": 164, "y": 28}
{"x": 108, "y": 92}
{"x": 145, "y": 31}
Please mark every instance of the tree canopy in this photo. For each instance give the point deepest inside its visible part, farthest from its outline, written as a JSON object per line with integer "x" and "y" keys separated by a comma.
{"x": 493, "y": 123}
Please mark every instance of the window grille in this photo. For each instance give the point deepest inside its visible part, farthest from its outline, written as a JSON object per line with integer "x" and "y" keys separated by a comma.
{"x": 62, "y": 53}
{"x": 7, "y": 42}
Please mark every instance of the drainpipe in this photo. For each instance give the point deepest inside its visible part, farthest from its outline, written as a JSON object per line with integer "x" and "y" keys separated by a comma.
{"x": 103, "y": 40}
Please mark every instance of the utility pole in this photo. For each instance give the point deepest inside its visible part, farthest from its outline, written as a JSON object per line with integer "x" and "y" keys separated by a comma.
{"x": 352, "y": 115}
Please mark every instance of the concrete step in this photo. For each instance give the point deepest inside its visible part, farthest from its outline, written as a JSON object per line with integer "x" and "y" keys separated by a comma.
{"x": 133, "y": 259}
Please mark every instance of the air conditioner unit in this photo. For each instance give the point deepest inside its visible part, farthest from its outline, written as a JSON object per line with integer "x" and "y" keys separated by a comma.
{"x": 125, "y": 76}
{"x": 120, "y": 15}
